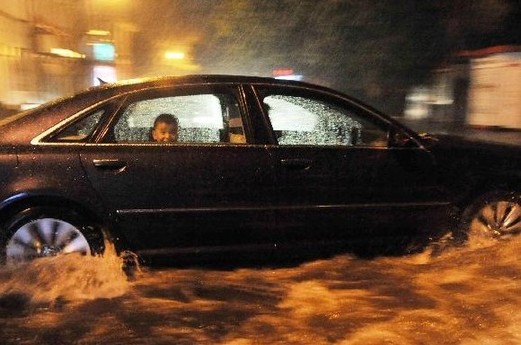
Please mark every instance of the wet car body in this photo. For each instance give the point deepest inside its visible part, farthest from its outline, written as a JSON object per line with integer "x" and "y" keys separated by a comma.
{"x": 269, "y": 184}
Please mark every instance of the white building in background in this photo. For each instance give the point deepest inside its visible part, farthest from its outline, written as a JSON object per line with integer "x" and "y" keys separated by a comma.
{"x": 495, "y": 88}
{"x": 482, "y": 88}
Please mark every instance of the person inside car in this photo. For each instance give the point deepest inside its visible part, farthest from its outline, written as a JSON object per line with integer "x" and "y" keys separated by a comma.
{"x": 166, "y": 127}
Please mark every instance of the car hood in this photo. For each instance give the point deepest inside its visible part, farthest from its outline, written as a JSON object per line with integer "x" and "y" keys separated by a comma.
{"x": 475, "y": 153}
{"x": 470, "y": 141}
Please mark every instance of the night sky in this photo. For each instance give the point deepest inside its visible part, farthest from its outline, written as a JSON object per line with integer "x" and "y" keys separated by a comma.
{"x": 507, "y": 33}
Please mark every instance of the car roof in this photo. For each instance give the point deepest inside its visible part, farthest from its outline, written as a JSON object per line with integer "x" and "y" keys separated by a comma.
{"x": 217, "y": 78}
{"x": 202, "y": 79}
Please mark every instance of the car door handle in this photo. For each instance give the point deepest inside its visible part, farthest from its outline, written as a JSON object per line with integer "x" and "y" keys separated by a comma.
{"x": 109, "y": 164}
{"x": 296, "y": 163}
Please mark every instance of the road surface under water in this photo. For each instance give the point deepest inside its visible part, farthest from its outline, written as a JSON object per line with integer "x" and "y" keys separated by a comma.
{"x": 466, "y": 295}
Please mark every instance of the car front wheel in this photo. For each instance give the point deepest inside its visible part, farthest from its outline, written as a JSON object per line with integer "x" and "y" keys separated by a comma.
{"x": 493, "y": 216}
{"x": 40, "y": 232}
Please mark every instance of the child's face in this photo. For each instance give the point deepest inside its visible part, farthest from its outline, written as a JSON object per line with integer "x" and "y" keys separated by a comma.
{"x": 164, "y": 132}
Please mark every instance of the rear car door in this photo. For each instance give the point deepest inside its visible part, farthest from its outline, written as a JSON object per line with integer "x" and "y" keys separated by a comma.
{"x": 203, "y": 190}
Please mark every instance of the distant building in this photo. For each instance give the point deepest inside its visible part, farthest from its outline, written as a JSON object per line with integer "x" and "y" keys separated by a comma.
{"x": 494, "y": 94}
{"x": 481, "y": 88}
{"x": 48, "y": 49}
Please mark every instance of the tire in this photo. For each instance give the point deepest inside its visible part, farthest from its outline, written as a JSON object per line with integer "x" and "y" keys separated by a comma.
{"x": 43, "y": 231}
{"x": 493, "y": 216}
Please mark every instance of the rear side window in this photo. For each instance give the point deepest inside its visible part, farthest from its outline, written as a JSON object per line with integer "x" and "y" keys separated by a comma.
{"x": 301, "y": 120}
{"x": 201, "y": 118}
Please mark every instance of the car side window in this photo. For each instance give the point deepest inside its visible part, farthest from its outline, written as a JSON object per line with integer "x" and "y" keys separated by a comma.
{"x": 298, "y": 120}
{"x": 202, "y": 118}
{"x": 81, "y": 129}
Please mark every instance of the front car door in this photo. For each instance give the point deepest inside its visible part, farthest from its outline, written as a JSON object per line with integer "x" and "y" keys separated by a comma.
{"x": 339, "y": 171}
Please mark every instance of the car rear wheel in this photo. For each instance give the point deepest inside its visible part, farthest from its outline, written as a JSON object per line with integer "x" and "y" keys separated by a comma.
{"x": 43, "y": 232}
{"x": 494, "y": 216}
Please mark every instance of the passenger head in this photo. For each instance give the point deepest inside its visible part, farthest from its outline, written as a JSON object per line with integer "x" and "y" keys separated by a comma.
{"x": 165, "y": 128}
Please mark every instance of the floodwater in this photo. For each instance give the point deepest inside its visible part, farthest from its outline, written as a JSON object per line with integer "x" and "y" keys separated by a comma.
{"x": 465, "y": 295}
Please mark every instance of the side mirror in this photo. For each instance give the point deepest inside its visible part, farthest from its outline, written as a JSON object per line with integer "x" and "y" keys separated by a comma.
{"x": 402, "y": 139}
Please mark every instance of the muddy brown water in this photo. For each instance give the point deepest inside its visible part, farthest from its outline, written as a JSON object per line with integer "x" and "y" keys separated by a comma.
{"x": 465, "y": 295}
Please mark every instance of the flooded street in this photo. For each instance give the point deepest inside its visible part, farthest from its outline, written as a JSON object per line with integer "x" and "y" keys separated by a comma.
{"x": 468, "y": 295}
{"x": 236, "y": 129}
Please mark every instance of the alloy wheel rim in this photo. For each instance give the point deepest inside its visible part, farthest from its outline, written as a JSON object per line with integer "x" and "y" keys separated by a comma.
{"x": 45, "y": 237}
{"x": 497, "y": 220}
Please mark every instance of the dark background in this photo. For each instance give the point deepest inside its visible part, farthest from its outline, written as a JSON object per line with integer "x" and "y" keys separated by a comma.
{"x": 375, "y": 50}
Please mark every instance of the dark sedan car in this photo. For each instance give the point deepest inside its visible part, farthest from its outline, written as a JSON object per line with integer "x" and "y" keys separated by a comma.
{"x": 258, "y": 165}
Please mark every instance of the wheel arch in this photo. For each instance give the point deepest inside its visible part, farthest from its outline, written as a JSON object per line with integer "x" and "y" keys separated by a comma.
{"x": 21, "y": 201}
{"x": 480, "y": 200}
{"x": 502, "y": 183}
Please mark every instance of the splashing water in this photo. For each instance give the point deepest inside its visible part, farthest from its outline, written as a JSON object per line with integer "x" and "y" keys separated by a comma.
{"x": 69, "y": 277}
{"x": 462, "y": 295}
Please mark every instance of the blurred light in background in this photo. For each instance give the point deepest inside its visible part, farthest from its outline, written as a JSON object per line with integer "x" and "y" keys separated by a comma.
{"x": 291, "y": 77}
{"x": 67, "y": 53}
{"x": 286, "y": 74}
{"x": 103, "y": 51}
{"x": 98, "y": 32}
{"x": 174, "y": 55}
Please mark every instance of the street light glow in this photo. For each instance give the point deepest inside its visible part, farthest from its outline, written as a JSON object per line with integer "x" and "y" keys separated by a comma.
{"x": 96, "y": 32}
{"x": 67, "y": 53}
{"x": 173, "y": 55}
